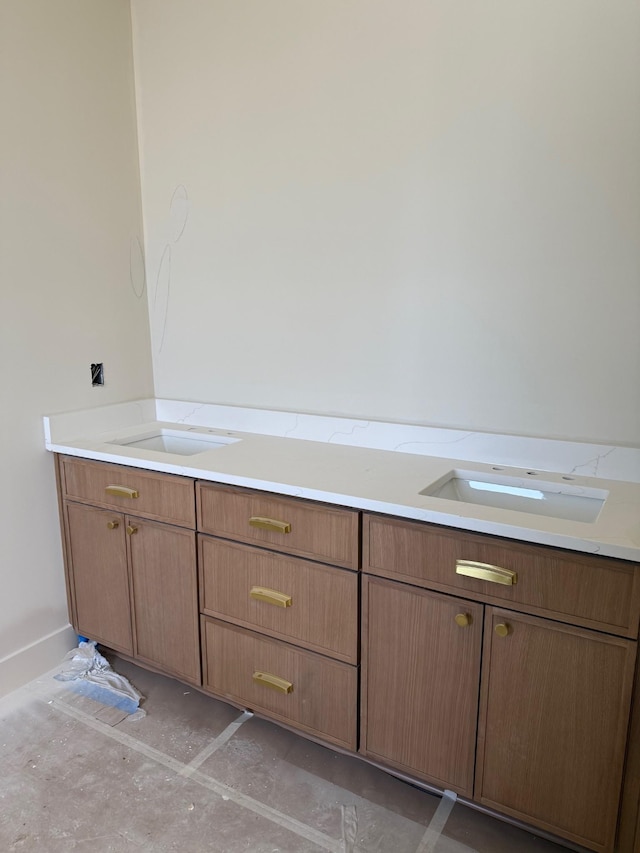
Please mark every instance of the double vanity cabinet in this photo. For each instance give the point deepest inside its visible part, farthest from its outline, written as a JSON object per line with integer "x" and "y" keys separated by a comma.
{"x": 499, "y": 670}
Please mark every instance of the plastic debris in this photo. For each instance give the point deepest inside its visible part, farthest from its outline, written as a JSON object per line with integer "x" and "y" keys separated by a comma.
{"x": 87, "y": 672}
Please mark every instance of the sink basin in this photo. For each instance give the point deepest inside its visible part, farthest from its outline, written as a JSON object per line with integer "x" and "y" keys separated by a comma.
{"x": 523, "y": 494}
{"x": 176, "y": 441}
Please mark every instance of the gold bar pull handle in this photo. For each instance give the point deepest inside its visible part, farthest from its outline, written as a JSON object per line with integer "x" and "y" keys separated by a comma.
{"x": 121, "y": 491}
{"x": 271, "y": 596}
{"x": 273, "y": 681}
{"x": 270, "y": 524}
{"x": 486, "y": 572}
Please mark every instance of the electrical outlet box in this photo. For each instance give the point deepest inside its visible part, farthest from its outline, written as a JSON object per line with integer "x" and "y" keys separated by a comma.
{"x": 97, "y": 374}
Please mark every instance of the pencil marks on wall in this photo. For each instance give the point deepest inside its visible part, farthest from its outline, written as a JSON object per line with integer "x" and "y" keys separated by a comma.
{"x": 177, "y": 222}
{"x": 178, "y": 213}
{"x": 161, "y": 296}
{"x": 137, "y": 272}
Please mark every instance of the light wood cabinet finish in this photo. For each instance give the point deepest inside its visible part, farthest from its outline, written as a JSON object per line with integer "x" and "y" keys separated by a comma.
{"x": 133, "y": 581}
{"x": 555, "y": 699}
{"x": 323, "y": 611}
{"x": 161, "y": 497}
{"x": 97, "y": 566}
{"x": 548, "y": 715}
{"x": 628, "y": 839}
{"x": 165, "y": 597}
{"x": 318, "y": 532}
{"x": 323, "y": 698}
{"x": 421, "y": 673}
{"x": 322, "y": 692}
{"x": 595, "y": 592}
{"x": 552, "y": 727}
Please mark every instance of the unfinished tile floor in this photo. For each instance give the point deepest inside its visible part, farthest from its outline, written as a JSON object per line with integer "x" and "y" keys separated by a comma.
{"x": 197, "y": 775}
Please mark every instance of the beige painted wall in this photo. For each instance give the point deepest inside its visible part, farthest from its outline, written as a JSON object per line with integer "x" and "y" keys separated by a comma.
{"x": 422, "y": 210}
{"x": 69, "y": 207}
{"x": 425, "y": 210}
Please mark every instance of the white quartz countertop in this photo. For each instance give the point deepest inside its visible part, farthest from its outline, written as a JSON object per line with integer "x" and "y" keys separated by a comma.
{"x": 366, "y": 478}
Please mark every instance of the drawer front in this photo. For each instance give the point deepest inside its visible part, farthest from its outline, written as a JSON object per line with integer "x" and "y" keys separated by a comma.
{"x": 298, "y": 527}
{"x": 286, "y": 597}
{"x": 322, "y": 693}
{"x": 592, "y": 591}
{"x": 162, "y": 497}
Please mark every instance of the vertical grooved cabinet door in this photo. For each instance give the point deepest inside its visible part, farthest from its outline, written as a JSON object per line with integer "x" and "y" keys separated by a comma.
{"x": 100, "y": 586}
{"x": 421, "y": 674}
{"x": 165, "y": 597}
{"x": 553, "y": 725}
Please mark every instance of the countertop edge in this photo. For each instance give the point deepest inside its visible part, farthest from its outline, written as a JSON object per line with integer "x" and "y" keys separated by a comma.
{"x": 507, "y": 530}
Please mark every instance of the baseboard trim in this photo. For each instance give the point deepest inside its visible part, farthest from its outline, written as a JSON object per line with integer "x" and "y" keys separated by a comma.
{"x": 23, "y": 666}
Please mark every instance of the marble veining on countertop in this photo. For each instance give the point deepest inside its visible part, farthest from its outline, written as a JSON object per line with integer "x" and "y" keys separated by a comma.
{"x": 370, "y": 465}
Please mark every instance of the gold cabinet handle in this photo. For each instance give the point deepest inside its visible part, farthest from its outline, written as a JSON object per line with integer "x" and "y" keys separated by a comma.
{"x": 113, "y": 525}
{"x": 486, "y": 572}
{"x": 121, "y": 492}
{"x": 463, "y": 620}
{"x": 270, "y": 524}
{"x": 131, "y": 529}
{"x": 273, "y": 681}
{"x": 502, "y": 629}
{"x": 271, "y": 596}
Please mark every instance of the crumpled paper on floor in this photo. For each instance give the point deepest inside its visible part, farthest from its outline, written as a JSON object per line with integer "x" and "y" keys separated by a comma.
{"x": 87, "y": 672}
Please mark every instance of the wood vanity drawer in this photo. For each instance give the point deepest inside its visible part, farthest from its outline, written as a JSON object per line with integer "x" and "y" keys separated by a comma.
{"x": 299, "y": 527}
{"x": 596, "y": 592}
{"x": 313, "y": 693}
{"x": 285, "y": 597}
{"x": 162, "y": 497}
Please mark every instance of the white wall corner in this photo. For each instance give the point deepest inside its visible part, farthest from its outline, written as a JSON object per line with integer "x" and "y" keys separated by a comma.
{"x": 22, "y": 666}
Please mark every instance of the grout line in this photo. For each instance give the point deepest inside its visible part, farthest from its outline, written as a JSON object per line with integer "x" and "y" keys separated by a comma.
{"x": 215, "y": 744}
{"x": 437, "y": 824}
{"x": 225, "y": 791}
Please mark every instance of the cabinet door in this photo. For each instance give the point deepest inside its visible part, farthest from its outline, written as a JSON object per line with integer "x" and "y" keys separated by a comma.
{"x": 165, "y": 597}
{"x": 553, "y": 725}
{"x": 99, "y": 576}
{"x": 421, "y": 675}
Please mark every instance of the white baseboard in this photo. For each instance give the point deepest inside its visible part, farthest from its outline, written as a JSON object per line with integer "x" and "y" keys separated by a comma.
{"x": 23, "y": 666}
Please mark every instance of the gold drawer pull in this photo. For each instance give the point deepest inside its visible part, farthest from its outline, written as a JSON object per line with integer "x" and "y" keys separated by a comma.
{"x": 486, "y": 572}
{"x": 463, "y": 620}
{"x": 273, "y": 681}
{"x": 503, "y": 629}
{"x": 121, "y": 491}
{"x": 113, "y": 525}
{"x": 271, "y": 596}
{"x": 131, "y": 529}
{"x": 270, "y": 524}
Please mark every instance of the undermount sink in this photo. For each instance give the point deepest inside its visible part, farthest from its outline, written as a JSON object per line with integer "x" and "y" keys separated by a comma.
{"x": 523, "y": 494}
{"x": 176, "y": 441}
